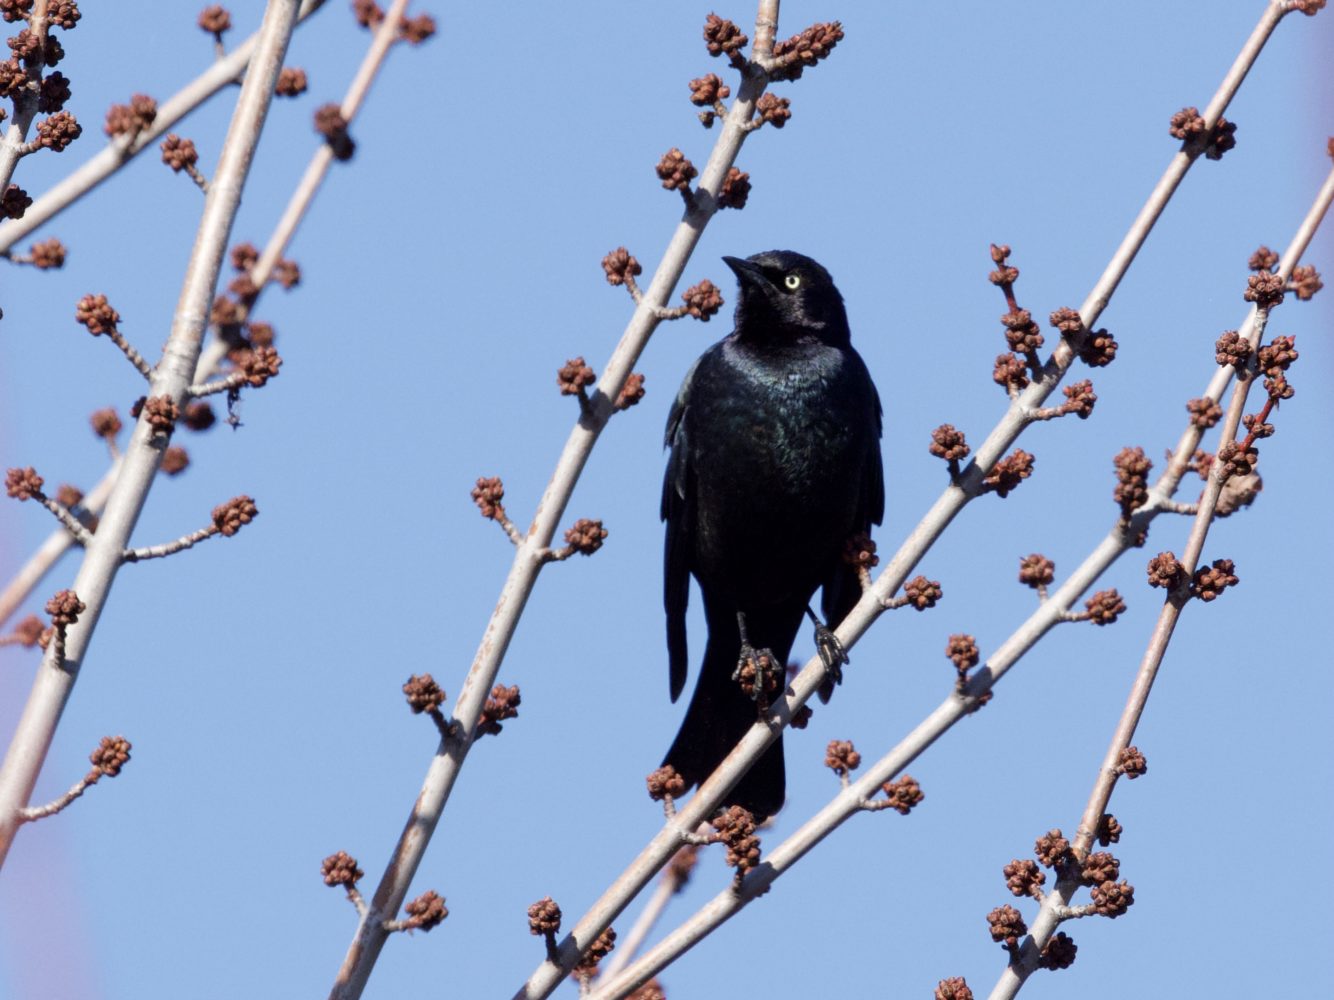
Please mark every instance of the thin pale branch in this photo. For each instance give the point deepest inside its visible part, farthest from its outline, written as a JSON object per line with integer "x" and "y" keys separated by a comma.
{"x": 170, "y": 548}
{"x": 32, "y": 813}
{"x": 73, "y": 526}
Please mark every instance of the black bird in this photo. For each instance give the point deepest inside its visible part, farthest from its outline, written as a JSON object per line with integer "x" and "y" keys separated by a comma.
{"x": 774, "y": 465}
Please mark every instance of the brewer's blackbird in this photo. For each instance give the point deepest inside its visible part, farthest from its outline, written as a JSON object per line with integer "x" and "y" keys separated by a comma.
{"x": 774, "y": 465}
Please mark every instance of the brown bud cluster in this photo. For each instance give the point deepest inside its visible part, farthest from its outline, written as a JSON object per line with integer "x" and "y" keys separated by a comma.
{"x": 487, "y": 494}
{"x": 948, "y": 443}
{"x": 215, "y": 19}
{"x": 795, "y": 54}
{"x": 1109, "y": 830}
{"x": 330, "y": 123}
{"x": 1079, "y": 399}
{"x": 58, "y": 131}
{"x": 106, "y": 422}
{"x": 1112, "y": 899}
{"x": 65, "y": 608}
{"x": 15, "y": 10}
{"x": 1132, "y": 479}
{"x": 1132, "y": 763}
{"x": 1305, "y": 282}
{"x": 1058, "y": 952}
{"x": 1274, "y": 358}
{"x": 175, "y": 460}
{"x": 112, "y": 753}
{"x": 735, "y": 189}
{"x": 675, "y": 171}
{"x": 1036, "y": 570}
{"x": 54, "y": 94}
{"x": 260, "y": 364}
{"x": 501, "y": 705}
{"x": 199, "y": 416}
{"x": 1007, "y": 926}
{"x": 1232, "y": 349}
{"x": 47, "y": 254}
{"x": 423, "y": 693}
{"x": 773, "y": 110}
{"x": 665, "y": 782}
{"x": 1210, "y": 581}
{"x": 922, "y": 593}
{"x": 1105, "y": 607}
{"x": 292, "y": 82}
{"x": 1264, "y": 289}
{"x": 1052, "y": 849}
{"x": 28, "y": 631}
{"x": 1204, "y": 412}
{"x": 367, "y": 13}
{"x": 574, "y": 376}
{"x": 632, "y": 392}
{"x": 341, "y": 869}
{"x": 619, "y": 265}
{"x": 1005, "y": 274}
{"x": 23, "y": 484}
{"x": 1023, "y": 877}
{"x": 415, "y": 30}
{"x": 954, "y": 988}
{"x": 63, "y": 13}
{"x": 587, "y": 966}
{"x": 161, "y": 412}
{"x": 703, "y": 300}
{"x": 1098, "y": 349}
{"x": 903, "y": 794}
{"x": 544, "y": 917}
{"x": 963, "y": 652}
{"x": 1009, "y": 472}
{"x": 722, "y": 36}
{"x": 1165, "y": 571}
{"x": 586, "y": 536}
{"x": 1010, "y": 372}
{"x": 14, "y": 202}
{"x": 859, "y": 551}
{"x": 1067, "y": 320}
{"x": 1021, "y": 333}
{"x": 736, "y": 831}
{"x": 95, "y": 312}
{"x": 231, "y": 516}
{"x": 1186, "y": 124}
{"x": 708, "y": 90}
{"x": 1099, "y": 867}
{"x": 179, "y": 153}
{"x": 132, "y": 118}
{"x": 1221, "y": 139}
{"x": 1263, "y": 259}
{"x": 426, "y": 911}
{"x": 841, "y": 757}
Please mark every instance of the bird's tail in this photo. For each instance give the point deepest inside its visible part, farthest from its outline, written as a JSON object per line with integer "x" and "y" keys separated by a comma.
{"x": 720, "y": 713}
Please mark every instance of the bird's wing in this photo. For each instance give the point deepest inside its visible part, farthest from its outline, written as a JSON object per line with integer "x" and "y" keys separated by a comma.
{"x": 873, "y": 485}
{"x": 842, "y": 590}
{"x": 678, "y": 512}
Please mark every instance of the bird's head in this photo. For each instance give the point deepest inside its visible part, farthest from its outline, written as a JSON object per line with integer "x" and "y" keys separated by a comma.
{"x": 783, "y": 294}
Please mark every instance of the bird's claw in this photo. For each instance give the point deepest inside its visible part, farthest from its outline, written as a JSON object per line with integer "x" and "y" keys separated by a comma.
{"x": 832, "y": 653}
{"x": 756, "y": 672}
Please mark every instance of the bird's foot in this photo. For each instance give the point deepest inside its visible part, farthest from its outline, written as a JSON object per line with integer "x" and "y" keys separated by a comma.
{"x": 758, "y": 673}
{"x": 832, "y": 653}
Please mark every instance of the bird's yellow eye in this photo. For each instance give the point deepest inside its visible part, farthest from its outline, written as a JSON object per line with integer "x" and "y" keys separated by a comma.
{"x": 793, "y": 282}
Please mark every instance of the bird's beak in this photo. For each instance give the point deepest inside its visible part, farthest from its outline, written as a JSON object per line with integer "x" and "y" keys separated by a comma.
{"x": 748, "y": 274}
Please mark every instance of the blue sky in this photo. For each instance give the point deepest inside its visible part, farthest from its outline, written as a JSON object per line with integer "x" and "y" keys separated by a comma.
{"x": 447, "y": 272}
